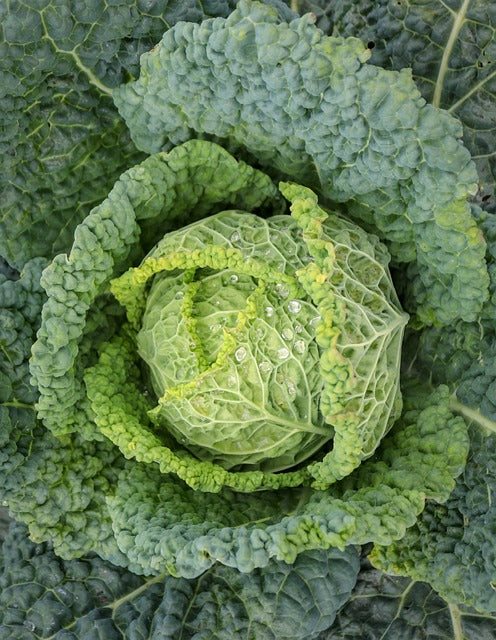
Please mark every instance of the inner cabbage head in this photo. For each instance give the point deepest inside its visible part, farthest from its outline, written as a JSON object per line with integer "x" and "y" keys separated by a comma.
{"x": 233, "y": 357}
{"x": 269, "y": 340}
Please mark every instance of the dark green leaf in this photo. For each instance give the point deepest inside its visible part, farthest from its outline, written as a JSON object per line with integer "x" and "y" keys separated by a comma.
{"x": 451, "y": 47}
{"x": 45, "y": 597}
{"x": 384, "y": 607}
{"x": 62, "y": 142}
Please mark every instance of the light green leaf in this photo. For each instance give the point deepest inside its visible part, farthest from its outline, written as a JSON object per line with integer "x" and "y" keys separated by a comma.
{"x": 130, "y": 512}
{"x": 157, "y": 192}
{"x": 296, "y": 333}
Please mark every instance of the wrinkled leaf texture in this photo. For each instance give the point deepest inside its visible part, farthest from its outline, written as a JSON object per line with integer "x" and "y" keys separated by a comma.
{"x": 42, "y": 596}
{"x": 385, "y": 607}
{"x": 62, "y": 141}
{"x": 451, "y": 48}
{"x": 57, "y": 75}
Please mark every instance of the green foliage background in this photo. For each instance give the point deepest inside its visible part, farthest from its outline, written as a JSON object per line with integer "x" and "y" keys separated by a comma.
{"x": 63, "y": 145}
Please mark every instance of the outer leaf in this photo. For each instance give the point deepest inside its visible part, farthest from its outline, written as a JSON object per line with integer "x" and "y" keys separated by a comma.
{"x": 452, "y": 545}
{"x": 451, "y": 47}
{"x": 464, "y": 358}
{"x": 54, "y": 485}
{"x": 20, "y": 305}
{"x": 487, "y": 224}
{"x": 306, "y": 105}
{"x": 129, "y": 512}
{"x": 384, "y": 607}
{"x": 62, "y": 141}
{"x": 68, "y": 504}
{"x": 43, "y": 596}
{"x": 463, "y": 354}
{"x": 159, "y": 524}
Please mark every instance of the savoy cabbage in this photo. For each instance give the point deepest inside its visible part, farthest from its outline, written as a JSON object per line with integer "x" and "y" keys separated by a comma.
{"x": 247, "y": 307}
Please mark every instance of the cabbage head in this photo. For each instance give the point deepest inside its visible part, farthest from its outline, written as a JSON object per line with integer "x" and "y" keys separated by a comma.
{"x": 268, "y": 340}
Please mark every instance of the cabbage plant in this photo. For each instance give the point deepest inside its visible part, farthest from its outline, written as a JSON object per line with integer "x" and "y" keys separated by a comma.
{"x": 256, "y": 347}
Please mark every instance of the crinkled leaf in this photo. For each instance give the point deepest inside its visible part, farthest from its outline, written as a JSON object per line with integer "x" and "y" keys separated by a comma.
{"x": 137, "y": 515}
{"x": 128, "y": 512}
{"x": 53, "y": 485}
{"x": 192, "y": 180}
{"x": 389, "y": 608}
{"x": 21, "y": 299}
{"x": 307, "y": 106}
{"x": 462, "y": 356}
{"x": 160, "y": 524}
{"x": 452, "y": 545}
{"x": 62, "y": 141}
{"x": 487, "y": 224}
{"x": 42, "y": 596}
{"x": 264, "y": 384}
{"x": 451, "y": 48}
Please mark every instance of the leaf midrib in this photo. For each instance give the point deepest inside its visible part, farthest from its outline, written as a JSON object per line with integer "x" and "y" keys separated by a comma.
{"x": 472, "y": 415}
{"x": 443, "y": 67}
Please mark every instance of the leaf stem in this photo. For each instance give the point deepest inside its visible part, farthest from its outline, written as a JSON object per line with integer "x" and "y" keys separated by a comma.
{"x": 443, "y": 67}
{"x": 17, "y": 405}
{"x": 91, "y": 77}
{"x": 132, "y": 594}
{"x": 471, "y": 92}
{"x": 472, "y": 414}
{"x": 456, "y": 621}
